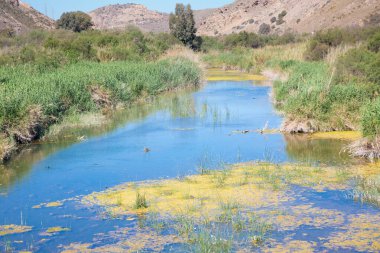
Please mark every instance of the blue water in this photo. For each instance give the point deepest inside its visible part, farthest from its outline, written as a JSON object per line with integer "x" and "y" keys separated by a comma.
{"x": 193, "y": 130}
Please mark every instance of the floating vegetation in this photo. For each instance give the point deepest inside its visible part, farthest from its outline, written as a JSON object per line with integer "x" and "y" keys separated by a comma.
{"x": 50, "y": 204}
{"x": 232, "y": 75}
{"x": 230, "y": 209}
{"x": 337, "y": 135}
{"x": 55, "y": 230}
{"x": 367, "y": 190}
{"x": 13, "y": 229}
{"x": 126, "y": 241}
{"x": 361, "y": 233}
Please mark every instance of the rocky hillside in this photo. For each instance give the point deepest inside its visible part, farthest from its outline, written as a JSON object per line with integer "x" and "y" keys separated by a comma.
{"x": 120, "y": 16}
{"x": 19, "y": 17}
{"x": 287, "y": 15}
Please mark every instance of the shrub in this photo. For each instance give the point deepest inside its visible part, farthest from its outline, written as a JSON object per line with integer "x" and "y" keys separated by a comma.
{"x": 140, "y": 202}
{"x": 264, "y": 28}
{"x": 75, "y": 21}
{"x": 273, "y": 19}
{"x": 316, "y": 51}
{"x": 355, "y": 64}
{"x": 374, "y": 43}
{"x": 371, "y": 119}
{"x": 243, "y": 39}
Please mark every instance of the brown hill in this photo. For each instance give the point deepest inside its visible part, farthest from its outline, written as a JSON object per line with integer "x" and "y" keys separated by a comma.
{"x": 120, "y": 16}
{"x": 19, "y": 17}
{"x": 301, "y": 15}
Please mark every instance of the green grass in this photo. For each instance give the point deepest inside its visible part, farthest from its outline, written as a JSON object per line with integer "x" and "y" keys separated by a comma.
{"x": 367, "y": 190}
{"x": 311, "y": 94}
{"x": 67, "y": 89}
{"x": 371, "y": 118}
{"x": 237, "y": 58}
{"x": 140, "y": 202}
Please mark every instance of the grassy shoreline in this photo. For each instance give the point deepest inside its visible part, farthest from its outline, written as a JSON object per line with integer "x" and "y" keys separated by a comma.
{"x": 35, "y": 101}
{"x": 330, "y": 82}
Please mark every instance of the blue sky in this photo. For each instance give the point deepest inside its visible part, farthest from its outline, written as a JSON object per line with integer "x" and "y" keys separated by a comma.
{"x": 54, "y": 8}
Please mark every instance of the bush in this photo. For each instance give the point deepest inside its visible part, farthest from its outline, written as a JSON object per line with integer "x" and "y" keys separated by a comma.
{"x": 316, "y": 51}
{"x": 355, "y": 64}
{"x": 243, "y": 39}
{"x": 359, "y": 64}
{"x": 75, "y": 21}
{"x": 374, "y": 43}
{"x": 371, "y": 119}
{"x": 264, "y": 28}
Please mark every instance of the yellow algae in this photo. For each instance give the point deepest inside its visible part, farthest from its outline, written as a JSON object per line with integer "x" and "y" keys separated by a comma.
{"x": 249, "y": 185}
{"x": 243, "y": 190}
{"x": 337, "y": 135}
{"x": 50, "y": 204}
{"x": 308, "y": 215}
{"x": 292, "y": 246}
{"x": 53, "y": 230}
{"x": 232, "y": 75}
{"x": 54, "y": 204}
{"x": 142, "y": 240}
{"x": 362, "y": 233}
{"x": 13, "y": 229}
{"x": 197, "y": 195}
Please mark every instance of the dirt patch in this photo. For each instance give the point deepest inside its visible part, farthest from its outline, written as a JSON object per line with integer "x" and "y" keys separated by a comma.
{"x": 100, "y": 96}
{"x": 299, "y": 126}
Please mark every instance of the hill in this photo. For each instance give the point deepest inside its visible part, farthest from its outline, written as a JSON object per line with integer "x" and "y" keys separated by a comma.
{"x": 287, "y": 15}
{"x": 120, "y": 16}
{"x": 19, "y": 17}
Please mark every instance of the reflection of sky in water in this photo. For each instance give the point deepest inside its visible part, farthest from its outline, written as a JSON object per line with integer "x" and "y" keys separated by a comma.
{"x": 194, "y": 131}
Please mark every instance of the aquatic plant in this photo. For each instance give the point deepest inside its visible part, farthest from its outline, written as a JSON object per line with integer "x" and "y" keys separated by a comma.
{"x": 367, "y": 190}
{"x": 140, "y": 202}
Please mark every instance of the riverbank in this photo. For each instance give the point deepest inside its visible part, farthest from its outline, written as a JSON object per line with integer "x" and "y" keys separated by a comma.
{"x": 35, "y": 101}
{"x": 329, "y": 82}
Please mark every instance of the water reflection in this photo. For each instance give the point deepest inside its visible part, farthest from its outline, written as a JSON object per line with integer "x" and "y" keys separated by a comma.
{"x": 179, "y": 104}
{"x": 301, "y": 148}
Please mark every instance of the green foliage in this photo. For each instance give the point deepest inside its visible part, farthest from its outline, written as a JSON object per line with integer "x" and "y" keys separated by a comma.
{"x": 243, "y": 39}
{"x": 310, "y": 94}
{"x": 63, "y": 90}
{"x": 359, "y": 64}
{"x": 75, "y": 21}
{"x": 182, "y": 26}
{"x": 64, "y": 47}
{"x": 140, "y": 202}
{"x": 371, "y": 119}
{"x": 374, "y": 43}
{"x": 322, "y": 41}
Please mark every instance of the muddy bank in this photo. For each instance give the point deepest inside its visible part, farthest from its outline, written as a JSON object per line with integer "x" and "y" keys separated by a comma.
{"x": 366, "y": 148}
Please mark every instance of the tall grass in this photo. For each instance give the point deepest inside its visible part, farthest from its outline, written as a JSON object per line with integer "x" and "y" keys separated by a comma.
{"x": 68, "y": 89}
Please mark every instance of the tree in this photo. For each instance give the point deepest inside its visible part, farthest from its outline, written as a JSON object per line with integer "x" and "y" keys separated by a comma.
{"x": 75, "y": 21}
{"x": 182, "y": 26}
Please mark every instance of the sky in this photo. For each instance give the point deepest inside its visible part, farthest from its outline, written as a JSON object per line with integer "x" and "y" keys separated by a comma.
{"x": 54, "y": 8}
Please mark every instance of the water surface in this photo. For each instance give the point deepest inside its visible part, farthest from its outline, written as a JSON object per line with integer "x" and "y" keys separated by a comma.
{"x": 183, "y": 132}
